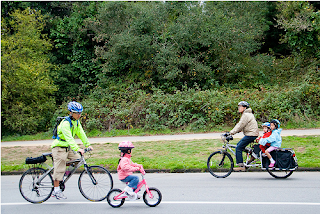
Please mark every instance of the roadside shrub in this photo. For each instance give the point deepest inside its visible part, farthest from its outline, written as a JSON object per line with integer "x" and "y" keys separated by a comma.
{"x": 129, "y": 107}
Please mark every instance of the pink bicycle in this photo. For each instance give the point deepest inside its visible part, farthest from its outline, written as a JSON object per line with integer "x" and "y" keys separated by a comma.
{"x": 151, "y": 196}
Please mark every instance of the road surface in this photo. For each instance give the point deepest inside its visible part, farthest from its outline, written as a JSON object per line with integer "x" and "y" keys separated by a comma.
{"x": 187, "y": 193}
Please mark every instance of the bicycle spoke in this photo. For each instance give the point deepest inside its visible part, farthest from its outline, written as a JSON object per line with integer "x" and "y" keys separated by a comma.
{"x": 30, "y": 190}
{"x": 95, "y": 185}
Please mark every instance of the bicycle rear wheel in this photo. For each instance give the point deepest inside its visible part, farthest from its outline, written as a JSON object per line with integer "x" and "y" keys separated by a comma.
{"x": 220, "y": 164}
{"x": 111, "y": 201}
{"x": 279, "y": 173}
{"x": 33, "y": 192}
{"x": 95, "y": 184}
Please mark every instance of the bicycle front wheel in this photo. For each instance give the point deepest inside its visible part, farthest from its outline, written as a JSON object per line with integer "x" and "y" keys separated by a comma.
{"x": 32, "y": 190}
{"x": 220, "y": 164}
{"x": 95, "y": 183}
{"x": 155, "y": 199}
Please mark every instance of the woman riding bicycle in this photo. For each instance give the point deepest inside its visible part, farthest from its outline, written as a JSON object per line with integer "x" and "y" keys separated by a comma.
{"x": 249, "y": 126}
{"x": 65, "y": 147}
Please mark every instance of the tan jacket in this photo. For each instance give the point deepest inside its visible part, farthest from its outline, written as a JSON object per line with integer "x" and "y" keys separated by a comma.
{"x": 247, "y": 124}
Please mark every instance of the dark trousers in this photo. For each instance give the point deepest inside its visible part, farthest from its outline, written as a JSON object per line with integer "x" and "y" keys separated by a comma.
{"x": 241, "y": 145}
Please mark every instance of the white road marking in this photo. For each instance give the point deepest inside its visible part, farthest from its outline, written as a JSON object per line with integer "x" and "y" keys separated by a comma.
{"x": 183, "y": 202}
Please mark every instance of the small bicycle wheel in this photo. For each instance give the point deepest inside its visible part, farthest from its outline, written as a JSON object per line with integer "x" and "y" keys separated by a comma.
{"x": 111, "y": 201}
{"x": 31, "y": 190}
{"x": 155, "y": 199}
{"x": 95, "y": 184}
{"x": 279, "y": 173}
{"x": 220, "y": 164}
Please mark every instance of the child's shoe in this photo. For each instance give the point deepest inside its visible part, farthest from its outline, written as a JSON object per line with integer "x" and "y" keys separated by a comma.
{"x": 129, "y": 190}
{"x": 272, "y": 165}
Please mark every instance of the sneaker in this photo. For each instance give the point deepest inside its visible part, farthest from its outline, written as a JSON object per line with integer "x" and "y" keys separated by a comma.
{"x": 272, "y": 165}
{"x": 59, "y": 195}
{"x": 129, "y": 190}
{"x": 239, "y": 169}
{"x": 264, "y": 155}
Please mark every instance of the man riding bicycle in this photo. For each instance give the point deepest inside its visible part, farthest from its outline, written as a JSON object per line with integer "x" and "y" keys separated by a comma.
{"x": 249, "y": 126}
{"x": 65, "y": 147}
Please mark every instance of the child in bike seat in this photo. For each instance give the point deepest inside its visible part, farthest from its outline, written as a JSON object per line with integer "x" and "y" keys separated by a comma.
{"x": 275, "y": 140}
{"x": 126, "y": 167}
{"x": 266, "y": 133}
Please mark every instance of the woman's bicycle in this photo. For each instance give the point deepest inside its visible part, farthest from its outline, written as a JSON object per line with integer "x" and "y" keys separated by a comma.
{"x": 36, "y": 184}
{"x": 151, "y": 197}
{"x": 220, "y": 163}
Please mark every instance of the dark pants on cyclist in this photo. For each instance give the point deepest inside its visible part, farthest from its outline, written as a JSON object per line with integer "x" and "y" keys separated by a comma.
{"x": 241, "y": 145}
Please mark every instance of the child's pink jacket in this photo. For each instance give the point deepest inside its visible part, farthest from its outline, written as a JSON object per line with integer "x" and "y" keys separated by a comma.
{"x": 126, "y": 167}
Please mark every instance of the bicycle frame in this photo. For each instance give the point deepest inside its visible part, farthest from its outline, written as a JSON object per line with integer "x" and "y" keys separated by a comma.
{"x": 50, "y": 169}
{"x": 140, "y": 185}
{"x": 229, "y": 147}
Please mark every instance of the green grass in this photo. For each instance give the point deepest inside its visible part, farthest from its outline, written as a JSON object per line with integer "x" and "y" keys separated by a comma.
{"x": 162, "y": 155}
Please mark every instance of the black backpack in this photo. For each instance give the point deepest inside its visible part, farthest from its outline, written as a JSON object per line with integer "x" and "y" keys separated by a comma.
{"x": 58, "y": 121}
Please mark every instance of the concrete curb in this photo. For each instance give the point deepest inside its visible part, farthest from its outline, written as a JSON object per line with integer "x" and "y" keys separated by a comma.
{"x": 300, "y": 169}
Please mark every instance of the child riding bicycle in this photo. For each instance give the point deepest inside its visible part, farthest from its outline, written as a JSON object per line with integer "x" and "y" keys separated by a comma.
{"x": 126, "y": 167}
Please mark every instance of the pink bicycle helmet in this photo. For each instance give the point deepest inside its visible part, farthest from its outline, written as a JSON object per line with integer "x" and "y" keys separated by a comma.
{"x": 125, "y": 145}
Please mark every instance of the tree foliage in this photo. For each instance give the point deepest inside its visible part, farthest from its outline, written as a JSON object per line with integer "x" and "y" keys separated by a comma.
{"x": 301, "y": 23}
{"x": 73, "y": 52}
{"x": 26, "y": 89}
{"x": 169, "y": 44}
{"x": 122, "y": 60}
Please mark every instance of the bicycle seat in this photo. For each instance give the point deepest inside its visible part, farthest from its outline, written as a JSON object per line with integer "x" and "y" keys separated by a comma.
{"x": 47, "y": 154}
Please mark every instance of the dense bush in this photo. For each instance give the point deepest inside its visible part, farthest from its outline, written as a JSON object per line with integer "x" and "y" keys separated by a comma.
{"x": 129, "y": 107}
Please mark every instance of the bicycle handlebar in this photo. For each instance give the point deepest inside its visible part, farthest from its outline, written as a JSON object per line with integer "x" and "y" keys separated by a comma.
{"x": 85, "y": 151}
{"x": 227, "y": 136}
{"x": 142, "y": 170}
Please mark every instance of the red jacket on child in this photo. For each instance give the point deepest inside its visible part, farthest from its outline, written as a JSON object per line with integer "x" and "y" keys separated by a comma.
{"x": 265, "y": 135}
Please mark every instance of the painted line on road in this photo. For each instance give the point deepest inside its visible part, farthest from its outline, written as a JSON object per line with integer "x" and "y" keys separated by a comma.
{"x": 184, "y": 202}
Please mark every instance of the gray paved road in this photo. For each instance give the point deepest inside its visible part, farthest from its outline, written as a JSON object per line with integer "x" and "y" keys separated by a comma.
{"x": 296, "y": 132}
{"x": 247, "y": 192}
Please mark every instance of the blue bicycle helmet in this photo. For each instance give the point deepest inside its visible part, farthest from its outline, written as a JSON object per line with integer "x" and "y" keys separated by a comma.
{"x": 267, "y": 124}
{"x": 75, "y": 107}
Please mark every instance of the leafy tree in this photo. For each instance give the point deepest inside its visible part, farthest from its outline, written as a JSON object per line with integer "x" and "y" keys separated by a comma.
{"x": 169, "y": 44}
{"x": 26, "y": 95}
{"x": 301, "y": 23}
{"x": 75, "y": 72}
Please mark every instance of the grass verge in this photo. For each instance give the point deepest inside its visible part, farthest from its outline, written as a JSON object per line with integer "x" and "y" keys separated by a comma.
{"x": 162, "y": 155}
